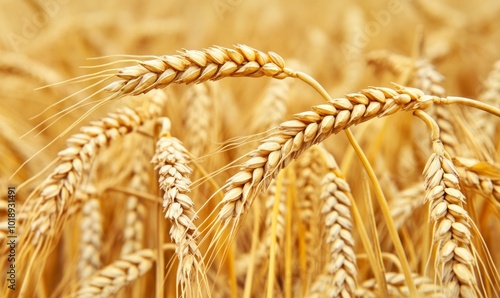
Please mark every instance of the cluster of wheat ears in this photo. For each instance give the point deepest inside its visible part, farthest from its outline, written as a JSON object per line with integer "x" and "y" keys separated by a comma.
{"x": 231, "y": 171}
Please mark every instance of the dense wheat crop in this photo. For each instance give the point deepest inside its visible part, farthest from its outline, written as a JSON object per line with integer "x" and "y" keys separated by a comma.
{"x": 232, "y": 148}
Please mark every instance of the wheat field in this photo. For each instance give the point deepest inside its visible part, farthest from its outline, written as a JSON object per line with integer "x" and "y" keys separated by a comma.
{"x": 231, "y": 148}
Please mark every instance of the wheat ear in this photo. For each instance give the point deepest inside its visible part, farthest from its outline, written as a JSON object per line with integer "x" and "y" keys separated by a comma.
{"x": 271, "y": 110}
{"x": 90, "y": 233}
{"x": 310, "y": 169}
{"x": 114, "y": 277}
{"x": 135, "y": 213}
{"x": 193, "y": 66}
{"x": 171, "y": 160}
{"x": 311, "y": 127}
{"x": 338, "y": 278}
{"x": 197, "y": 119}
{"x": 455, "y": 262}
{"x": 22, "y": 65}
{"x": 429, "y": 80}
{"x": 490, "y": 95}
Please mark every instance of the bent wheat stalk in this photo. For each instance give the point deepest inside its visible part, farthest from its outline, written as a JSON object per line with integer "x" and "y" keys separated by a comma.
{"x": 455, "y": 262}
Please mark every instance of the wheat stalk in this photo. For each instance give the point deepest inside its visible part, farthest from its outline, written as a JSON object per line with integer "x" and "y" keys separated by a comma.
{"x": 197, "y": 120}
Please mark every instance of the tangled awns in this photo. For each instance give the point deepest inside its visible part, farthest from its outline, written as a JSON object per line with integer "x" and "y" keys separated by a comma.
{"x": 250, "y": 149}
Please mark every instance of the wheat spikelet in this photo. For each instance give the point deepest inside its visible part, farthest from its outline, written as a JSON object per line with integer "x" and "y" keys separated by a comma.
{"x": 171, "y": 160}
{"x": 309, "y": 128}
{"x": 428, "y": 79}
{"x": 454, "y": 261}
{"x": 114, "y": 277}
{"x": 339, "y": 274}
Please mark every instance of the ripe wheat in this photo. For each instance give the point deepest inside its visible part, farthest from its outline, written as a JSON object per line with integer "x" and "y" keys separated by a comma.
{"x": 232, "y": 188}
